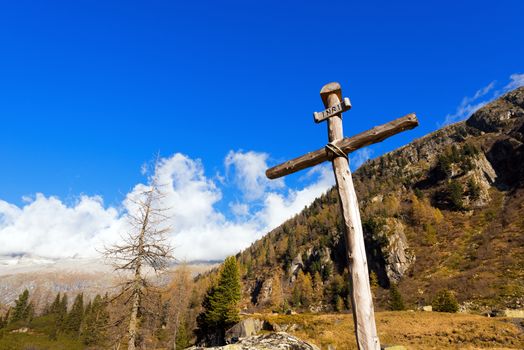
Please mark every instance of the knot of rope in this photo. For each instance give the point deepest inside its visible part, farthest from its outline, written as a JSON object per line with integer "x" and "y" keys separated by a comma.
{"x": 335, "y": 150}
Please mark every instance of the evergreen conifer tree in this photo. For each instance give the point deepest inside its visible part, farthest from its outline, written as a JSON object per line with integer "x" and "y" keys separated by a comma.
{"x": 74, "y": 317}
{"x": 61, "y": 313}
{"x": 221, "y": 309}
{"x": 4, "y": 320}
{"x": 96, "y": 320}
{"x": 291, "y": 251}
{"x": 55, "y": 305}
{"x": 396, "y": 303}
{"x": 87, "y": 310}
{"x": 53, "y": 312}
{"x": 22, "y": 309}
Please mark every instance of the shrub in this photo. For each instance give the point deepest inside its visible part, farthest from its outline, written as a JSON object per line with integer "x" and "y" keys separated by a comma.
{"x": 445, "y": 301}
{"x": 454, "y": 192}
{"x": 473, "y": 189}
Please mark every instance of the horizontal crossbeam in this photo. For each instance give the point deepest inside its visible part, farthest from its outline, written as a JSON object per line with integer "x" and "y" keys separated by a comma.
{"x": 348, "y": 145}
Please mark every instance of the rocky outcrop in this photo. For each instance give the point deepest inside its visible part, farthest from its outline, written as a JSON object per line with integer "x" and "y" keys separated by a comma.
{"x": 272, "y": 341}
{"x": 504, "y": 118}
{"x": 399, "y": 257}
{"x": 504, "y": 115}
{"x": 296, "y": 264}
{"x": 264, "y": 295}
{"x": 390, "y": 255}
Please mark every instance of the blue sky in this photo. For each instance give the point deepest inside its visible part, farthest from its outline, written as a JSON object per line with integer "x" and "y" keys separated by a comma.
{"x": 90, "y": 90}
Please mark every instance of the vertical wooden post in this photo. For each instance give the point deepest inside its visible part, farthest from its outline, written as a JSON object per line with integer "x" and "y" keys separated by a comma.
{"x": 361, "y": 300}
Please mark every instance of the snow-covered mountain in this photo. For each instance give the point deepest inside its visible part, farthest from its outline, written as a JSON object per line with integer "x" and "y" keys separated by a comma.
{"x": 44, "y": 277}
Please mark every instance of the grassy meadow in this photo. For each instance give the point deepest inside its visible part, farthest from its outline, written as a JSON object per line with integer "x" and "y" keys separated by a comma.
{"x": 413, "y": 330}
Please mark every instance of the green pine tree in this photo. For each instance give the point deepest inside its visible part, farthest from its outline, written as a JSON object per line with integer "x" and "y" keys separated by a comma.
{"x": 55, "y": 305}
{"x": 52, "y": 311}
{"x": 61, "y": 313}
{"x": 454, "y": 193}
{"x": 22, "y": 309}
{"x": 396, "y": 303}
{"x": 291, "y": 251}
{"x": 74, "y": 318}
{"x": 4, "y": 320}
{"x": 221, "y": 309}
{"x": 94, "y": 325}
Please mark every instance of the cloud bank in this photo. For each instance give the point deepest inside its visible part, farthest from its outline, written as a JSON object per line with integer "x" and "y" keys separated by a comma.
{"x": 47, "y": 227}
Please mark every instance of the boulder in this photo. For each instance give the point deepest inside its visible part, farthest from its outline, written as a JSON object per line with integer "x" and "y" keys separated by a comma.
{"x": 243, "y": 329}
{"x": 20, "y": 330}
{"x": 285, "y": 327}
{"x": 513, "y": 313}
{"x": 272, "y": 341}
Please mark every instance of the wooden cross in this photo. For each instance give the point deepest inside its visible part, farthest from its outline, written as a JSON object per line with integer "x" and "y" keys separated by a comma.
{"x": 336, "y": 151}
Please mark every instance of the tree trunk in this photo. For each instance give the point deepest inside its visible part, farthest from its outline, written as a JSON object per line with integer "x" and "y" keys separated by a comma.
{"x": 137, "y": 290}
{"x": 133, "y": 321}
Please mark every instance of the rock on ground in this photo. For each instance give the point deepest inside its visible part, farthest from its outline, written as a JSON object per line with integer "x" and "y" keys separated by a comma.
{"x": 272, "y": 341}
{"x": 243, "y": 329}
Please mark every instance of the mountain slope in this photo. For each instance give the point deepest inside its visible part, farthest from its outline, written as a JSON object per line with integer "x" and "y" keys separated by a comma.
{"x": 445, "y": 211}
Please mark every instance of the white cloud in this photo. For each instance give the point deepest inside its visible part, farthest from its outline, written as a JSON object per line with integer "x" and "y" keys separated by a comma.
{"x": 360, "y": 157}
{"x": 206, "y": 233}
{"x": 249, "y": 173}
{"x": 470, "y": 105}
{"x": 47, "y": 227}
{"x": 239, "y": 209}
{"x": 517, "y": 80}
{"x": 279, "y": 207}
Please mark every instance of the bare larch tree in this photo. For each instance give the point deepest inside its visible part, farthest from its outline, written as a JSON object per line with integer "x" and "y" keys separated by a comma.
{"x": 145, "y": 246}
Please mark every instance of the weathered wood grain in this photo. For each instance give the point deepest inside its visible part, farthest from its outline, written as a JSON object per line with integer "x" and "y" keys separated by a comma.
{"x": 348, "y": 145}
{"x": 361, "y": 299}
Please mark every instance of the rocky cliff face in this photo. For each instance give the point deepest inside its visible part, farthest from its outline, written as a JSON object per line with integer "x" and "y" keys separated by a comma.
{"x": 445, "y": 211}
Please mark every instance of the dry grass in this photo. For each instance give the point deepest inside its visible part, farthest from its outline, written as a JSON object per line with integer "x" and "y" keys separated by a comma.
{"x": 414, "y": 330}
